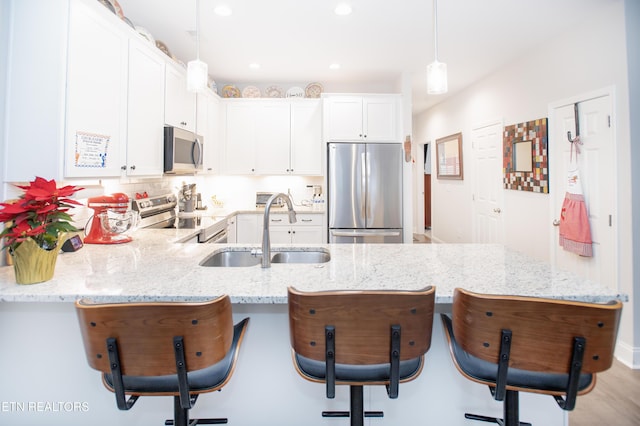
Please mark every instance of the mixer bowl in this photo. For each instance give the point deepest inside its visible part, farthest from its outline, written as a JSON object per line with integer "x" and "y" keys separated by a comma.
{"x": 119, "y": 223}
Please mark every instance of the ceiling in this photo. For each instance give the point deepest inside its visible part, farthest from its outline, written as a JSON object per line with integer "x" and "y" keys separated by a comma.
{"x": 295, "y": 41}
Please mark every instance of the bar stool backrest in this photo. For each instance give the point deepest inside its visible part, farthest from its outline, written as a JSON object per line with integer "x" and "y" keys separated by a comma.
{"x": 145, "y": 332}
{"x": 543, "y": 330}
{"x": 362, "y": 320}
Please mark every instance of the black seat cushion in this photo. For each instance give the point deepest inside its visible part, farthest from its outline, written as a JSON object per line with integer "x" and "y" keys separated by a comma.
{"x": 479, "y": 369}
{"x": 315, "y": 370}
{"x": 199, "y": 380}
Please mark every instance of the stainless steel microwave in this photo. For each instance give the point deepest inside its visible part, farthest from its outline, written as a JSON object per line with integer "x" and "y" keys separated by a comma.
{"x": 183, "y": 151}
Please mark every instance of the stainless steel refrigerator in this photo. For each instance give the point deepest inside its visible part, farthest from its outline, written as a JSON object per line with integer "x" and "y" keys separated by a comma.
{"x": 365, "y": 192}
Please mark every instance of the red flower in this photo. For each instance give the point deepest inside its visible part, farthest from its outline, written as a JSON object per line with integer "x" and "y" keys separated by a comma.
{"x": 40, "y": 213}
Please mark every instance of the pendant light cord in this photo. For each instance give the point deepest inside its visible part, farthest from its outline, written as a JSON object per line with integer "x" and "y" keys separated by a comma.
{"x": 435, "y": 28}
{"x": 198, "y": 29}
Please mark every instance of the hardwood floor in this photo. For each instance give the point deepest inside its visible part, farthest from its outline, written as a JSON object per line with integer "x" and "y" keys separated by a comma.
{"x": 614, "y": 401}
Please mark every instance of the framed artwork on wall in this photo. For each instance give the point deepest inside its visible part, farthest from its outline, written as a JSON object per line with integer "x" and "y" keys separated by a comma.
{"x": 449, "y": 157}
{"x": 525, "y": 156}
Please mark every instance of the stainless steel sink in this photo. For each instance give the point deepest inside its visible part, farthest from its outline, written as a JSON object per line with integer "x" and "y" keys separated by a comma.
{"x": 246, "y": 258}
{"x": 315, "y": 256}
{"x": 232, "y": 259}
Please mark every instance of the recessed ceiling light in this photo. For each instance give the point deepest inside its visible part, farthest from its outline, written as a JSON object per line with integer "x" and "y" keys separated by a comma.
{"x": 254, "y": 66}
{"x": 342, "y": 9}
{"x": 222, "y": 10}
{"x": 334, "y": 66}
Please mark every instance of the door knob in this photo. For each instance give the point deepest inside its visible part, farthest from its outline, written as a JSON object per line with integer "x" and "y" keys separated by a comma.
{"x": 556, "y": 222}
{"x": 497, "y": 210}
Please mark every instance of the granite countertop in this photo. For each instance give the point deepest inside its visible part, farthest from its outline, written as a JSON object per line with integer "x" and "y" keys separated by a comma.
{"x": 153, "y": 267}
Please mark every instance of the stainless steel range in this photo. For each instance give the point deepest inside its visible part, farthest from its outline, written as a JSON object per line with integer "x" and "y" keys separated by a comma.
{"x": 157, "y": 211}
{"x": 160, "y": 212}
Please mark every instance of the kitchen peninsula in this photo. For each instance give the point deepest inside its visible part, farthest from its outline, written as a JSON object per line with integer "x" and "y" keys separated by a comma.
{"x": 45, "y": 362}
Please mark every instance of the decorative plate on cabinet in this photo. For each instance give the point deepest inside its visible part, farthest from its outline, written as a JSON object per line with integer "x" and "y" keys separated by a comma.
{"x": 313, "y": 90}
{"x": 118, "y": 9}
{"x": 295, "y": 92}
{"x": 108, "y": 5}
{"x": 160, "y": 45}
{"x": 273, "y": 92}
{"x": 128, "y": 22}
{"x": 251, "y": 92}
{"x": 230, "y": 91}
{"x": 146, "y": 34}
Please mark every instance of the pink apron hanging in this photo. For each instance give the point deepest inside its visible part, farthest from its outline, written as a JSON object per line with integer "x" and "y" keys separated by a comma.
{"x": 575, "y": 231}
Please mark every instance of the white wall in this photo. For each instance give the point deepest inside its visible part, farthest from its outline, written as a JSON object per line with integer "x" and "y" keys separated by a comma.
{"x": 4, "y": 43}
{"x": 588, "y": 57}
{"x": 564, "y": 67}
{"x": 632, "y": 14}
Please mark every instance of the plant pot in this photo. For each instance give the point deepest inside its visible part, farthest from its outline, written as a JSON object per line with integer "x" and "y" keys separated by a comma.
{"x": 33, "y": 264}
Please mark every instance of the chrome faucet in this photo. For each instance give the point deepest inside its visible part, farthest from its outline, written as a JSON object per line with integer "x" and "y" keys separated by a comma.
{"x": 266, "y": 241}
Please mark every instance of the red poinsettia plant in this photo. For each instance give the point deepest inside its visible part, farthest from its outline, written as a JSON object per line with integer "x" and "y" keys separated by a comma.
{"x": 40, "y": 213}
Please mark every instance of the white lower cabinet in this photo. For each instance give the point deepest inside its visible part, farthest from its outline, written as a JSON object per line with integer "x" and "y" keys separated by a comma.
{"x": 307, "y": 229}
{"x": 248, "y": 230}
{"x": 232, "y": 234}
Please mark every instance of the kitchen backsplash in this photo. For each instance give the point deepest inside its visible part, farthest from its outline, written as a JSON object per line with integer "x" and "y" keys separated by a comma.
{"x": 234, "y": 192}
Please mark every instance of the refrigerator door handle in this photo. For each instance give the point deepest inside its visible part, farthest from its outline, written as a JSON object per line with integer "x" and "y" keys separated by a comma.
{"x": 363, "y": 185}
{"x": 365, "y": 234}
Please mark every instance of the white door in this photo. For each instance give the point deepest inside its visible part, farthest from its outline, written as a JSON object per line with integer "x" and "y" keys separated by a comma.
{"x": 487, "y": 145}
{"x": 597, "y": 172}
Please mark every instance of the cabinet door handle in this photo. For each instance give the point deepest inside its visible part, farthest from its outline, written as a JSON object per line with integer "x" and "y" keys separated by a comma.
{"x": 123, "y": 167}
{"x": 306, "y": 220}
{"x": 276, "y": 220}
{"x": 133, "y": 167}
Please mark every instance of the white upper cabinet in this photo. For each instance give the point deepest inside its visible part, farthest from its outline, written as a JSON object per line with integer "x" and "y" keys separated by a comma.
{"x": 208, "y": 126}
{"x": 306, "y": 137}
{"x": 96, "y": 108}
{"x": 145, "y": 135}
{"x": 273, "y": 137}
{"x": 66, "y": 98}
{"x": 239, "y": 138}
{"x": 366, "y": 118}
{"x": 180, "y": 104}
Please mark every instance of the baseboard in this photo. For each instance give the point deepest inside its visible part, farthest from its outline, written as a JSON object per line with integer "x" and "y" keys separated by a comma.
{"x": 628, "y": 355}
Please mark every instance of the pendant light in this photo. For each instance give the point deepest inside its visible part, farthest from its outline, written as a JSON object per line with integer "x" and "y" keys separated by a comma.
{"x": 436, "y": 71}
{"x": 197, "y": 71}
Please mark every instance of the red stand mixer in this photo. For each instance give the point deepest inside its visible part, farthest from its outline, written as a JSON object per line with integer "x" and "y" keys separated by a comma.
{"x": 111, "y": 220}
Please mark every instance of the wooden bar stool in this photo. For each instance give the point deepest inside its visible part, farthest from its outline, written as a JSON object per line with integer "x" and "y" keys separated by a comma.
{"x": 152, "y": 349}
{"x": 513, "y": 344}
{"x": 360, "y": 338}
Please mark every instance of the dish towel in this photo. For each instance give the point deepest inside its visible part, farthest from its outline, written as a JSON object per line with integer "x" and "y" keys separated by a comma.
{"x": 575, "y": 232}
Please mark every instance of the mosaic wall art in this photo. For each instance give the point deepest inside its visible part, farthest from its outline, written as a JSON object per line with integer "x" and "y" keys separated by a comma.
{"x": 519, "y": 173}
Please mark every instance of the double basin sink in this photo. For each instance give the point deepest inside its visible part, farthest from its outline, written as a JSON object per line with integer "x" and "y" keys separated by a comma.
{"x": 249, "y": 257}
